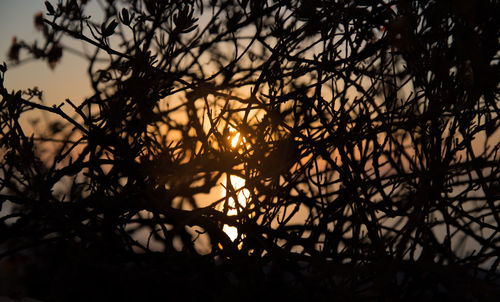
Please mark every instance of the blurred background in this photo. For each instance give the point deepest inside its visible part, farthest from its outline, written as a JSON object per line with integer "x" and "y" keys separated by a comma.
{"x": 68, "y": 80}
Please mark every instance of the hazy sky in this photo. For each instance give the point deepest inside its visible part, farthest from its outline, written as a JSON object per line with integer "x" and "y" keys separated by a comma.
{"x": 69, "y": 78}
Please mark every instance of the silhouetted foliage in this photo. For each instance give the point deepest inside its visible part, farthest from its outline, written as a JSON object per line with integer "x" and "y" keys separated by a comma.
{"x": 366, "y": 133}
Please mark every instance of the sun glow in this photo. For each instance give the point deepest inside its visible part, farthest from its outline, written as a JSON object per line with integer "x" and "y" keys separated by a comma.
{"x": 235, "y": 186}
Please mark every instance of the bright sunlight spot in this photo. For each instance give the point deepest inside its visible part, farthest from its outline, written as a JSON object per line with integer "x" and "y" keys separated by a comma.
{"x": 237, "y": 184}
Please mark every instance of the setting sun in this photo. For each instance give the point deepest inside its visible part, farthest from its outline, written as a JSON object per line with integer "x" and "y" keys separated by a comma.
{"x": 237, "y": 184}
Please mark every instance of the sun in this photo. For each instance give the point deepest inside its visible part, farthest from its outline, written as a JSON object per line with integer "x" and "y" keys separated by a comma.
{"x": 237, "y": 184}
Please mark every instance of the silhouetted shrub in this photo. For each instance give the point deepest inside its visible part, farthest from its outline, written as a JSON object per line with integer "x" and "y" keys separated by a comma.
{"x": 359, "y": 138}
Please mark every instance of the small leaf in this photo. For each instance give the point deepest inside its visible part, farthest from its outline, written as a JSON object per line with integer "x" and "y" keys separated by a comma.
{"x": 50, "y": 8}
{"x": 125, "y": 17}
{"x": 110, "y": 29}
{"x": 54, "y": 55}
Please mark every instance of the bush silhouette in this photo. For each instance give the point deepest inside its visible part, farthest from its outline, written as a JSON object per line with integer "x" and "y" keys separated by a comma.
{"x": 352, "y": 146}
